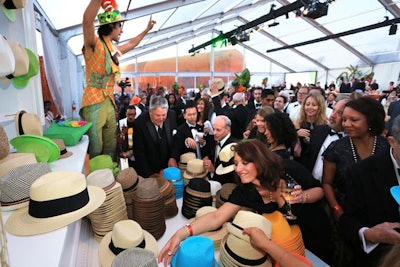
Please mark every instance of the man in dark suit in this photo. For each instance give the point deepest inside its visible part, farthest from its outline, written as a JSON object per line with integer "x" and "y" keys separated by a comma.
{"x": 190, "y": 135}
{"x": 222, "y": 137}
{"x": 322, "y": 136}
{"x": 152, "y": 138}
{"x": 255, "y": 102}
{"x": 371, "y": 221}
{"x": 393, "y": 112}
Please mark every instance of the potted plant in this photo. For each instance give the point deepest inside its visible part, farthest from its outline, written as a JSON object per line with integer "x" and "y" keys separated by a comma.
{"x": 242, "y": 81}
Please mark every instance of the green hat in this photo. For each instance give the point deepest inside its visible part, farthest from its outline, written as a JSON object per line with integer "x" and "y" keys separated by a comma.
{"x": 44, "y": 148}
{"x": 10, "y": 13}
{"x": 22, "y": 81}
{"x": 109, "y": 17}
{"x": 102, "y": 162}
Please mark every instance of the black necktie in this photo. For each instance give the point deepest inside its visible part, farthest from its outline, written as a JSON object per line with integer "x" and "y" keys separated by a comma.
{"x": 159, "y": 130}
{"x": 332, "y": 132}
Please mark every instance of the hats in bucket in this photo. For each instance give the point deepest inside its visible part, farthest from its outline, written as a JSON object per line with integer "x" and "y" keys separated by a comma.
{"x": 226, "y": 156}
{"x": 28, "y": 123}
{"x": 16, "y": 184}
{"x": 7, "y": 62}
{"x": 23, "y": 80}
{"x": 135, "y": 257}
{"x": 44, "y": 148}
{"x": 195, "y": 251}
{"x": 124, "y": 235}
{"x": 57, "y": 199}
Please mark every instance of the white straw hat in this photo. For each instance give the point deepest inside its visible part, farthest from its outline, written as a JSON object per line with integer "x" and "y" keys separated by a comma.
{"x": 125, "y": 234}
{"x": 226, "y": 156}
{"x": 56, "y": 200}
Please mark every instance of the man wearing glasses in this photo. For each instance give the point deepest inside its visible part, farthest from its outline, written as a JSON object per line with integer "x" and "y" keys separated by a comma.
{"x": 102, "y": 70}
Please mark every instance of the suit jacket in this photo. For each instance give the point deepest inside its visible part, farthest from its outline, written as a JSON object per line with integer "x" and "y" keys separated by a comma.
{"x": 151, "y": 153}
{"x": 393, "y": 112}
{"x": 369, "y": 203}
{"x": 317, "y": 138}
{"x": 179, "y": 146}
{"x": 224, "y": 178}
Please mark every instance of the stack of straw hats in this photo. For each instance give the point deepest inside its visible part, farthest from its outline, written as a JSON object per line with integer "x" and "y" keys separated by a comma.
{"x": 217, "y": 235}
{"x": 125, "y": 234}
{"x": 57, "y": 199}
{"x": 236, "y": 249}
{"x": 113, "y": 208}
{"x": 184, "y": 159}
{"x": 197, "y": 194}
{"x": 195, "y": 169}
{"x": 195, "y": 251}
{"x": 103, "y": 162}
{"x": 149, "y": 207}
{"x": 223, "y": 194}
{"x": 174, "y": 175}
{"x": 167, "y": 190}
{"x": 129, "y": 180}
{"x": 287, "y": 236}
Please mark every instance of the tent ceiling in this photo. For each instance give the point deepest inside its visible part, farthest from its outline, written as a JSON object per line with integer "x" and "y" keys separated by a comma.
{"x": 188, "y": 23}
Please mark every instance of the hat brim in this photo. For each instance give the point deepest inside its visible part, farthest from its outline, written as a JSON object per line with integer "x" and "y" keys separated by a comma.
{"x": 10, "y": 13}
{"x": 106, "y": 256}
{"x": 44, "y": 148}
{"x": 16, "y": 206}
{"x": 20, "y": 223}
{"x": 224, "y": 170}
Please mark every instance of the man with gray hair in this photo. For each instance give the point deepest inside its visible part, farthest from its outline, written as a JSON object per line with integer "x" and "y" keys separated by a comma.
{"x": 152, "y": 138}
{"x": 371, "y": 220}
{"x": 222, "y": 137}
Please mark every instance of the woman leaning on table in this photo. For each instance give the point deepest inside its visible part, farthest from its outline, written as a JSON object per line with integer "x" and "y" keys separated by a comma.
{"x": 259, "y": 172}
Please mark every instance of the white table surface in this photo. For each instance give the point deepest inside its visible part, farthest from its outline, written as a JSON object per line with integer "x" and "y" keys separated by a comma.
{"x": 54, "y": 248}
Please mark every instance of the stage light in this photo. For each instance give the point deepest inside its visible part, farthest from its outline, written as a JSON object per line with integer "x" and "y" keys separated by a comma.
{"x": 393, "y": 29}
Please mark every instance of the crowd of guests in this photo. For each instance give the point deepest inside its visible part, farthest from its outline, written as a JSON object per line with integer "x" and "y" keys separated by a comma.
{"x": 341, "y": 147}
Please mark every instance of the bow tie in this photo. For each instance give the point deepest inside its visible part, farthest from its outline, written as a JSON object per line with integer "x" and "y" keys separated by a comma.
{"x": 258, "y": 105}
{"x": 192, "y": 127}
{"x": 332, "y": 132}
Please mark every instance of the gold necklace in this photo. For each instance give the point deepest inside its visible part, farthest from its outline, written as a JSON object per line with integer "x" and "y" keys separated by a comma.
{"x": 354, "y": 151}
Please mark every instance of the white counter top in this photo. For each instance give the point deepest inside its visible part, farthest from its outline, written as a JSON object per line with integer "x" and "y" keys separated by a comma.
{"x": 55, "y": 248}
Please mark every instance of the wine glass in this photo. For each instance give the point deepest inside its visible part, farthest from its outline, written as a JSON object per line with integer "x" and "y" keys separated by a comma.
{"x": 287, "y": 187}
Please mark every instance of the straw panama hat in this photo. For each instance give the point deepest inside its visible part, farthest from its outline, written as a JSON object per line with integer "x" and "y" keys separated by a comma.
{"x": 64, "y": 153}
{"x": 49, "y": 208}
{"x": 14, "y": 160}
{"x": 16, "y": 184}
{"x": 23, "y": 80}
{"x": 221, "y": 86}
{"x": 135, "y": 257}
{"x": 28, "y": 123}
{"x": 125, "y": 234}
{"x": 4, "y": 145}
{"x": 21, "y": 59}
{"x": 7, "y": 63}
{"x": 195, "y": 169}
{"x": 226, "y": 156}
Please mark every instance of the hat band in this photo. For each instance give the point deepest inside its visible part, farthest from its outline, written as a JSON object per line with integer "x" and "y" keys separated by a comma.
{"x": 10, "y": 76}
{"x": 132, "y": 186}
{"x": 117, "y": 250}
{"x": 227, "y": 164}
{"x": 9, "y": 4}
{"x": 51, "y": 208}
{"x": 64, "y": 151}
{"x": 243, "y": 260}
{"x": 196, "y": 174}
{"x": 20, "y": 129}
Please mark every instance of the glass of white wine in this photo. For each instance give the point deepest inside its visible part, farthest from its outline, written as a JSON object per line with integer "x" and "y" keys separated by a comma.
{"x": 287, "y": 187}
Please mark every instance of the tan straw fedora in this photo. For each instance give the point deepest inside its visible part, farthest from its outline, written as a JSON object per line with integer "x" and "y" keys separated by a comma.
{"x": 195, "y": 169}
{"x": 28, "y": 123}
{"x": 64, "y": 153}
{"x": 226, "y": 156}
{"x": 125, "y": 234}
{"x": 56, "y": 200}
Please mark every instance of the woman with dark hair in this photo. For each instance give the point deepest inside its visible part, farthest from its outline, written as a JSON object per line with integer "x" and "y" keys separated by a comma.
{"x": 311, "y": 217}
{"x": 259, "y": 173}
{"x": 205, "y": 115}
{"x": 258, "y": 132}
{"x": 280, "y": 133}
{"x": 363, "y": 121}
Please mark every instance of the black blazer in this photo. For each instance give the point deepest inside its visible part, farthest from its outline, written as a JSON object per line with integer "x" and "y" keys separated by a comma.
{"x": 317, "y": 138}
{"x": 151, "y": 155}
{"x": 179, "y": 146}
{"x": 369, "y": 203}
{"x": 393, "y": 112}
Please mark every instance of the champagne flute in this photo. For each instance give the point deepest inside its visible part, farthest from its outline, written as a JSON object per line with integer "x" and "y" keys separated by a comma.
{"x": 287, "y": 187}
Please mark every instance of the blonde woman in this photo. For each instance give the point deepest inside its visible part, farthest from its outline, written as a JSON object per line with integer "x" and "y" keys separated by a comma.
{"x": 312, "y": 113}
